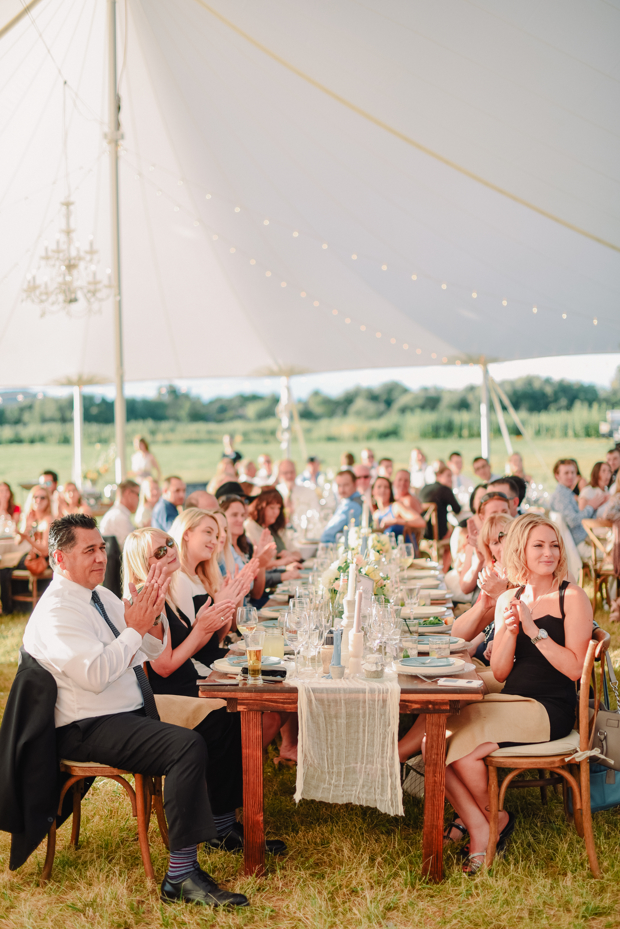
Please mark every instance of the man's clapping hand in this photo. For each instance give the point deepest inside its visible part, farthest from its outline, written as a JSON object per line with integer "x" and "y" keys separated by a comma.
{"x": 147, "y": 604}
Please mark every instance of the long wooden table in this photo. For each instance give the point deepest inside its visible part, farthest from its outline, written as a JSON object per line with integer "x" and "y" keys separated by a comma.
{"x": 416, "y": 696}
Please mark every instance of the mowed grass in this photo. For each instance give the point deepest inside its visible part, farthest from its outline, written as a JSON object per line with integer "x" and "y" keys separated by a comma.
{"x": 197, "y": 461}
{"x": 348, "y": 866}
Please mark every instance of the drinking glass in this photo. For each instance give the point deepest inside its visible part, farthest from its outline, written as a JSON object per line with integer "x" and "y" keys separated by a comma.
{"x": 254, "y": 642}
{"x": 410, "y": 645}
{"x": 274, "y": 644}
{"x": 439, "y": 646}
{"x": 247, "y": 619}
{"x": 294, "y": 632}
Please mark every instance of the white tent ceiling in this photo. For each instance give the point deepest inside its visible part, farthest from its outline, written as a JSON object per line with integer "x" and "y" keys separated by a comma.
{"x": 466, "y": 143}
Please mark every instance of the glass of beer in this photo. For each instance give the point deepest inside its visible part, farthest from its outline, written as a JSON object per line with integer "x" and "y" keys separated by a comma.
{"x": 254, "y": 653}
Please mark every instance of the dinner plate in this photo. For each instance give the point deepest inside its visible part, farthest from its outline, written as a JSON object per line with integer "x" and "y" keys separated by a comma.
{"x": 271, "y": 624}
{"x": 233, "y": 665}
{"x": 424, "y": 583}
{"x": 422, "y": 662}
{"x": 439, "y": 671}
{"x": 279, "y": 598}
{"x": 419, "y": 574}
{"x": 268, "y": 661}
{"x": 268, "y": 614}
{"x": 424, "y": 563}
{"x": 425, "y": 612}
{"x": 435, "y": 630}
{"x": 456, "y": 645}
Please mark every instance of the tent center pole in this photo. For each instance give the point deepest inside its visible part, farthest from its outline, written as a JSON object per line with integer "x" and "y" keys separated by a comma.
{"x": 485, "y": 439}
{"x": 113, "y": 138}
{"x": 284, "y": 412}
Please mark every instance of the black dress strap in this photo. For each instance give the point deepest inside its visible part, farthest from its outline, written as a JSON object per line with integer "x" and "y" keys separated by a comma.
{"x": 562, "y": 591}
{"x": 519, "y": 592}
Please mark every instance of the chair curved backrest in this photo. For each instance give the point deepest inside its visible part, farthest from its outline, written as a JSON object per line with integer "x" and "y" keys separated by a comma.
{"x": 590, "y": 682}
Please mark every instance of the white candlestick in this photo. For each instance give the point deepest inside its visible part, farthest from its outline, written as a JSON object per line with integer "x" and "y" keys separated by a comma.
{"x": 357, "y": 619}
{"x": 365, "y": 515}
{"x": 351, "y": 587}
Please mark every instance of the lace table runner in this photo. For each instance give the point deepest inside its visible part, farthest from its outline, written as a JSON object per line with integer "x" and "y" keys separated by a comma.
{"x": 348, "y": 743}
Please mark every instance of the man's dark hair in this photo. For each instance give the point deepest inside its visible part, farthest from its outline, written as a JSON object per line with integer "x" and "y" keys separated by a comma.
{"x": 517, "y": 485}
{"x": 472, "y": 496}
{"x": 347, "y": 471}
{"x": 127, "y": 484}
{"x": 453, "y": 455}
{"x": 168, "y": 480}
{"x": 480, "y": 458}
{"x": 62, "y": 531}
{"x": 51, "y": 473}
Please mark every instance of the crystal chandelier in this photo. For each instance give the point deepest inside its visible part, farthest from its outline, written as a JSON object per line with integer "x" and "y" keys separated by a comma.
{"x": 69, "y": 279}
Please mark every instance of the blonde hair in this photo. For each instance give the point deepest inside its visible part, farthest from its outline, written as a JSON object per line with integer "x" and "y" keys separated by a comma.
{"x": 29, "y": 504}
{"x": 207, "y": 571}
{"x": 227, "y": 552}
{"x": 136, "y": 554}
{"x": 515, "y": 563}
{"x": 497, "y": 522}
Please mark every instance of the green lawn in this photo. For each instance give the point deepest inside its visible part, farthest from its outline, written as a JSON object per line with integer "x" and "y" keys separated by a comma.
{"x": 197, "y": 461}
{"x": 348, "y": 867}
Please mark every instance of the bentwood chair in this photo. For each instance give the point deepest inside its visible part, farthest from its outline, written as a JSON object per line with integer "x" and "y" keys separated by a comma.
{"x": 555, "y": 757}
{"x": 601, "y": 567}
{"x": 146, "y": 794}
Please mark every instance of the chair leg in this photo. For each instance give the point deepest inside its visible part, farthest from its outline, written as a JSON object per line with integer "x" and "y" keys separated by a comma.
{"x": 588, "y": 833}
{"x": 543, "y": 789}
{"x": 568, "y": 816}
{"x": 143, "y": 826}
{"x": 158, "y": 803}
{"x": 494, "y": 816}
{"x": 78, "y": 790}
{"x": 49, "y": 855}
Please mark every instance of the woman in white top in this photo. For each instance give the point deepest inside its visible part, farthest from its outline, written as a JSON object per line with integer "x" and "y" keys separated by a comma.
{"x": 150, "y": 492}
{"x": 595, "y": 492}
{"x": 143, "y": 462}
{"x": 71, "y": 501}
{"x": 37, "y": 519}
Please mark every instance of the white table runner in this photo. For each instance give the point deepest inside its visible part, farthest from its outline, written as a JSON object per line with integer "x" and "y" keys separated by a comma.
{"x": 348, "y": 743}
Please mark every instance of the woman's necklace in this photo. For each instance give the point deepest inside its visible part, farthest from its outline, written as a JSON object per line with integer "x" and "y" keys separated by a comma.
{"x": 539, "y": 597}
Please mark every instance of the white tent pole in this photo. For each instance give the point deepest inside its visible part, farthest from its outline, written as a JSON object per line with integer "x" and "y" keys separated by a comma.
{"x": 521, "y": 427}
{"x": 500, "y": 416}
{"x": 284, "y": 412}
{"x": 485, "y": 441}
{"x": 18, "y": 17}
{"x": 113, "y": 138}
{"x": 78, "y": 419}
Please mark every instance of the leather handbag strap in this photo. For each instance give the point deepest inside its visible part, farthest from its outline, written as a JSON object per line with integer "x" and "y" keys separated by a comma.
{"x": 613, "y": 680}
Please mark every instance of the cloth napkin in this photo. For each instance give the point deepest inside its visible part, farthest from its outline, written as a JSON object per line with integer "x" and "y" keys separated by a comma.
{"x": 348, "y": 743}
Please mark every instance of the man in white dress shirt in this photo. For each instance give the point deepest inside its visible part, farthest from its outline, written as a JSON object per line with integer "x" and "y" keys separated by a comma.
{"x": 94, "y": 645}
{"x": 117, "y": 521}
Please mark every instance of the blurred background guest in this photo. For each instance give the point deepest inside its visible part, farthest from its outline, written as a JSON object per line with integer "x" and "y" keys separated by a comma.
{"x": 150, "y": 492}
{"x": 143, "y": 462}
{"x": 267, "y": 512}
{"x": 166, "y": 509}
{"x": 264, "y": 475}
{"x": 9, "y": 510}
{"x": 70, "y": 500}
{"x": 117, "y": 521}
{"x": 224, "y": 471}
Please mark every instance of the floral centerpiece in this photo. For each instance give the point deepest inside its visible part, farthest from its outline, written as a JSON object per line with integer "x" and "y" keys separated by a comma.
{"x": 334, "y": 578}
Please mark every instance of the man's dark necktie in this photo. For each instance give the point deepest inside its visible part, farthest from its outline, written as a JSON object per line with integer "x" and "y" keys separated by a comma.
{"x": 143, "y": 682}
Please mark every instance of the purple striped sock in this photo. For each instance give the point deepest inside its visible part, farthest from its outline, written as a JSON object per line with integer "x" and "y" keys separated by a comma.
{"x": 182, "y": 862}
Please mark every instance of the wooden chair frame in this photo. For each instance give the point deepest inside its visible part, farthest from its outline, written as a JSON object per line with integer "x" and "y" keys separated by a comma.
{"x": 575, "y": 775}
{"x": 147, "y": 793}
{"x": 23, "y": 574}
{"x": 600, "y": 568}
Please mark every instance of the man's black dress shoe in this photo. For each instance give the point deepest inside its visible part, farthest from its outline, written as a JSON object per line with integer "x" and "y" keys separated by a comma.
{"x": 233, "y": 842}
{"x": 199, "y": 887}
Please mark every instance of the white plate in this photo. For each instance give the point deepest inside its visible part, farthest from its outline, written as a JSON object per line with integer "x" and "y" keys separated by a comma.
{"x": 435, "y": 630}
{"x": 268, "y": 614}
{"x": 222, "y": 664}
{"x": 417, "y": 574}
{"x": 425, "y": 583}
{"x": 454, "y": 647}
{"x": 458, "y": 666}
{"x": 424, "y": 563}
{"x": 425, "y": 612}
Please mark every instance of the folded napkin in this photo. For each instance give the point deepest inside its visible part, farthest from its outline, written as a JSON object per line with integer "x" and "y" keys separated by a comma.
{"x": 427, "y": 662}
{"x": 348, "y": 743}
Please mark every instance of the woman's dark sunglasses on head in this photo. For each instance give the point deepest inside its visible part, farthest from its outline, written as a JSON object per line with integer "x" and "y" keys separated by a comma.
{"x": 161, "y": 551}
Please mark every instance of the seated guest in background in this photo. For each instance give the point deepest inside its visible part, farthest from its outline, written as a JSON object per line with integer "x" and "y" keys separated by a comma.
{"x": 514, "y": 466}
{"x": 418, "y": 467}
{"x": 462, "y": 484}
{"x": 49, "y": 479}
{"x": 71, "y": 501}
{"x": 230, "y": 487}
{"x": 150, "y": 492}
{"x": 482, "y": 470}
{"x": 600, "y": 480}
{"x": 347, "y": 460}
{"x": 580, "y": 481}
{"x": 32, "y": 538}
{"x": 229, "y": 449}
{"x": 462, "y": 546}
{"x": 94, "y": 645}
{"x": 401, "y": 486}
{"x": 613, "y": 460}
{"x": 391, "y": 515}
{"x": 247, "y": 473}
{"x": 440, "y": 493}
{"x": 564, "y": 501}
{"x": 267, "y": 512}
{"x": 490, "y": 504}
{"x": 363, "y": 481}
{"x": 201, "y": 500}
{"x": 9, "y": 510}
{"x": 349, "y": 506}
{"x": 143, "y": 462}
{"x": 386, "y": 468}
{"x": 264, "y": 475}
{"x": 312, "y": 474}
{"x": 235, "y": 510}
{"x": 117, "y": 521}
{"x": 367, "y": 457}
{"x": 298, "y": 498}
{"x": 510, "y": 489}
{"x": 166, "y": 509}
{"x": 225, "y": 471}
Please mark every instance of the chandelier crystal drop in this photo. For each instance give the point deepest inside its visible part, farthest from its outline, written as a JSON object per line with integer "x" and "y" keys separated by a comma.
{"x": 67, "y": 278}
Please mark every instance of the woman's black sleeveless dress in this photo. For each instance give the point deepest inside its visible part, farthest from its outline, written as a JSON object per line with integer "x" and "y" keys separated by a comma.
{"x": 534, "y": 676}
{"x": 212, "y": 649}
{"x": 183, "y": 680}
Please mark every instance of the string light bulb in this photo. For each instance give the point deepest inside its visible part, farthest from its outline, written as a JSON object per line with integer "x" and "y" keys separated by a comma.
{"x": 504, "y": 303}
{"x": 295, "y": 234}
{"x": 433, "y": 354}
{"x": 354, "y": 257}
{"x": 324, "y": 245}
{"x": 237, "y": 209}
{"x": 414, "y": 277}
{"x": 393, "y": 341}
{"x": 252, "y": 261}
{"x": 378, "y": 335}
{"x": 347, "y": 320}
{"x": 316, "y": 303}
{"x": 267, "y": 273}
{"x": 334, "y": 312}
{"x": 363, "y": 328}
{"x": 534, "y": 309}
{"x": 303, "y": 293}
{"x": 563, "y": 315}
{"x": 283, "y": 284}
{"x": 384, "y": 267}
{"x": 418, "y": 351}
{"x": 405, "y": 346}
{"x": 595, "y": 322}
{"x": 265, "y": 222}
{"x": 207, "y": 196}
{"x": 444, "y": 286}
{"x": 474, "y": 294}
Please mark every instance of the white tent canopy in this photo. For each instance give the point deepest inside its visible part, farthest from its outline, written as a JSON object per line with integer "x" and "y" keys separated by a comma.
{"x": 466, "y": 143}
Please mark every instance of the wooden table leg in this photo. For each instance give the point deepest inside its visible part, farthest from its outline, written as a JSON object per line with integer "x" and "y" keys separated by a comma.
{"x": 434, "y": 796}
{"x": 253, "y": 822}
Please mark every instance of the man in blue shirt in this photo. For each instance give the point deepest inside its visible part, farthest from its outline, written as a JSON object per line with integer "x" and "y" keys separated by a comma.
{"x": 166, "y": 509}
{"x": 564, "y": 501}
{"x": 350, "y": 506}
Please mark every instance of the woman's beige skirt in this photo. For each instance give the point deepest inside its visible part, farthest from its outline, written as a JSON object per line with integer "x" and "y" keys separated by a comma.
{"x": 499, "y": 718}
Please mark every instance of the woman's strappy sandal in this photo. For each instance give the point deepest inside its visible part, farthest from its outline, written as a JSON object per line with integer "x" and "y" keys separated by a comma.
{"x": 454, "y": 825}
{"x": 474, "y": 863}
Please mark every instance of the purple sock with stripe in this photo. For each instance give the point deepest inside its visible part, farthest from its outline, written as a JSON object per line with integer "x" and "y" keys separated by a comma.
{"x": 183, "y": 862}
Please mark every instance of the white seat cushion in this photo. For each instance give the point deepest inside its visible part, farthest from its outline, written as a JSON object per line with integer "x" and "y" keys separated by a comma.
{"x": 565, "y": 746}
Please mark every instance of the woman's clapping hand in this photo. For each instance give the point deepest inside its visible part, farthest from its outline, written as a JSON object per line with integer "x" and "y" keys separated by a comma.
{"x": 493, "y": 581}
{"x": 214, "y": 616}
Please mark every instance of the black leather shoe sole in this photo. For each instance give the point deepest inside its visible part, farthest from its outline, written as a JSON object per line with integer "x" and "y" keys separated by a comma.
{"x": 198, "y": 888}
{"x": 233, "y": 842}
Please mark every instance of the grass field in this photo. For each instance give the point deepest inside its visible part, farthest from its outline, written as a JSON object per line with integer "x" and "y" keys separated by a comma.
{"x": 196, "y": 462}
{"x": 348, "y": 867}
